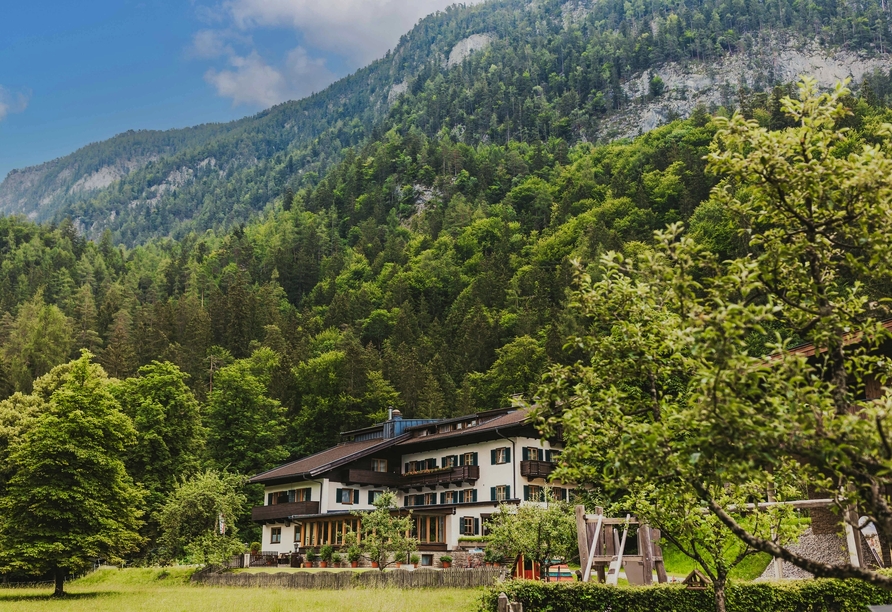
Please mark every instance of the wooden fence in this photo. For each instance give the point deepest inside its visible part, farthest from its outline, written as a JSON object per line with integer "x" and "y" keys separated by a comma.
{"x": 371, "y": 579}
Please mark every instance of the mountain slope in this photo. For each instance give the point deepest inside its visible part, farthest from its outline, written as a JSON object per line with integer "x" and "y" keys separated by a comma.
{"x": 498, "y": 72}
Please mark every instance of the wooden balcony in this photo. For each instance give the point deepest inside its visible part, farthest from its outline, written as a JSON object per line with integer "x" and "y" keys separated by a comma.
{"x": 441, "y": 477}
{"x": 369, "y": 477}
{"x": 536, "y": 469}
{"x": 280, "y": 512}
{"x": 433, "y": 478}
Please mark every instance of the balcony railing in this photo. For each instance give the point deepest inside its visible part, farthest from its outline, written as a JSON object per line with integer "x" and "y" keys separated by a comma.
{"x": 278, "y": 512}
{"x": 447, "y": 476}
{"x": 536, "y": 469}
{"x": 443, "y": 476}
{"x": 369, "y": 477}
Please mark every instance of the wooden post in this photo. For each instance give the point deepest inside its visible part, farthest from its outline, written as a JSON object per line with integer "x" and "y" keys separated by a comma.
{"x": 503, "y": 602}
{"x": 581, "y": 534}
{"x": 617, "y": 564}
{"x": 655, "y": 536}
{"x": 587, "y": 574}
{"x": 647, "y": 554}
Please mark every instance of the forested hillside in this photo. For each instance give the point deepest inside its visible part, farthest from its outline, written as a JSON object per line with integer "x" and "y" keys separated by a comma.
{"x": 543, "y": 70}
{"x": 421, "y": 273}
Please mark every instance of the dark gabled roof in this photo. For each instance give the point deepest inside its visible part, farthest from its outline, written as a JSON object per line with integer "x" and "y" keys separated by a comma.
{"x": 326, "y": 460}
{"x": 508, "y": 419}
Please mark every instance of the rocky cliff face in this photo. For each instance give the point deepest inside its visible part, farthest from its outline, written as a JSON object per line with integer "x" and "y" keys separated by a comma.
{"x": 760, "y": 65}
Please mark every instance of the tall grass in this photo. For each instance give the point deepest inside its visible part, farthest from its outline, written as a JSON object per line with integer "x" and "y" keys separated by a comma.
{"x": 169, "y": 590}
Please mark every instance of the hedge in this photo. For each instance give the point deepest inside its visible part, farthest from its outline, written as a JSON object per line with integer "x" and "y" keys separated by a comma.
{"x": 793, "y": 596}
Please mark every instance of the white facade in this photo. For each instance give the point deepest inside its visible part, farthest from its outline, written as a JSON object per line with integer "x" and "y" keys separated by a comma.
{"x": 456, "y": 513}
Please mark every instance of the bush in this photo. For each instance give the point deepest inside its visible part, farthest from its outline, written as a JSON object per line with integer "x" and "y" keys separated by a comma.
{"x": 796, "y": 596}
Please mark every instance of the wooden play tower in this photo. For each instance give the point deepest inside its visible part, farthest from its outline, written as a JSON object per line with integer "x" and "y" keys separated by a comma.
{"x": 602, "y": 543}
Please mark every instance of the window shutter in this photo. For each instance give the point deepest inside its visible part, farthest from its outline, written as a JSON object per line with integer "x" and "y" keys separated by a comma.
{"x": 461, "y": 528}
{"x": 474, "y": 495}
{"x": 492, "y": 493}
{"x": 508, "y": 492}
{"x": 371, "y": 497}
{"x": 539, "y": 454}
{"x": 474, "y": 459}
{"x": 492, "y": 457}
{"x": 508, "y": 454}
{"x": 476, "y": 526}
{"x": 443, "y": 497}
{"x": 407, "y": 466}
{"x": 339, "y": 496}
{"x": 526, "y": 492}
{"x": 525, "y": 453}
{"x": 269, "y": 499}
{"x": 548, "y": 456}
{"x": 445, "y": 461}
{"x": 355, "y": 496}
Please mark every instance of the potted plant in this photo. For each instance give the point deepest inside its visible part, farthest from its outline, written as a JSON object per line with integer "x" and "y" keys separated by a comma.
{"x": 311, "y": 557}
{"x": 415, "y": 560}
{"x": 354, "y": 555}
{"x": 336, "y": 559}
{"x": 446, "y": 561}
{"x": 255, "y": 548}
{"x": 325, "y": 554}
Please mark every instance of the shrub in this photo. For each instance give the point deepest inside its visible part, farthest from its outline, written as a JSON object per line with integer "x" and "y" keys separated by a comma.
{"x": 795, "y": 596}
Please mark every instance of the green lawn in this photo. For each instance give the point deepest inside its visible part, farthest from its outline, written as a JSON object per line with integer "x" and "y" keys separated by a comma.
{"x": 157, "y": 590}
{"x": 680, "y": 565}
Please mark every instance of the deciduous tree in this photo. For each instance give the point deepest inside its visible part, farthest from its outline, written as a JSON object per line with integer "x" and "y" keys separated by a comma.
{"x": 70, "y": 500}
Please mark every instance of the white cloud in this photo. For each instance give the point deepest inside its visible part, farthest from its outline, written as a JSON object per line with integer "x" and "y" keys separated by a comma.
{"x": 358, "y": 30}
{"x": 306, "y": 74}
{"x": 254, "y": 82}
{"x": 13, "y": 101}
{"x": 208, "y": 44}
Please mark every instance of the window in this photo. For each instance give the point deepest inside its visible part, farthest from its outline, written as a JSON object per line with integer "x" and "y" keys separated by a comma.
{"x": 379, "y": 465}
{"x": 325, "y": 531}
{"x": 275, "y": 535}
{"x": 533, "y": 493}
{"x": 500, "y": 455}
{"x": 289, "y": 496}
{"x": 500, "y": 493}
{"x": 347, "y": 496}
{"x": 429, "y": 529}
{"x": 427, "y": 560}
{"x": 430, "y": 499}
{"x": 468, "y": 459}
{"x": 374, "y": 495}
{"x": 470, "y": 526}
{"x": 449, "y": 497}
{"x": 533, "y": 454}
{"x": 450, "y": 461}
{"x": 552, "y": 456}
{"x": 469, "y": 496}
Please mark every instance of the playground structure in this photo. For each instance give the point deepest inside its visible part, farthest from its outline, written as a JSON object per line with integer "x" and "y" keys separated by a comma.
{"x": 602, "y": 548}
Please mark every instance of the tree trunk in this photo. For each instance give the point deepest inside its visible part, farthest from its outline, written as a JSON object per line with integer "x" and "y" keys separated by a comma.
{"x": 718, "y": 587}
{"x": 59, "y": 575}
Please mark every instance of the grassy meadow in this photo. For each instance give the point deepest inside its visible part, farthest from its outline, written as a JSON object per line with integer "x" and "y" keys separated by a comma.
{"x": 169, "y": 590}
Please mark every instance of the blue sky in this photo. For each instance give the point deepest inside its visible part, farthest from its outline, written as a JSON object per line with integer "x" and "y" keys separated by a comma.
{"x": 72, "y": 73}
